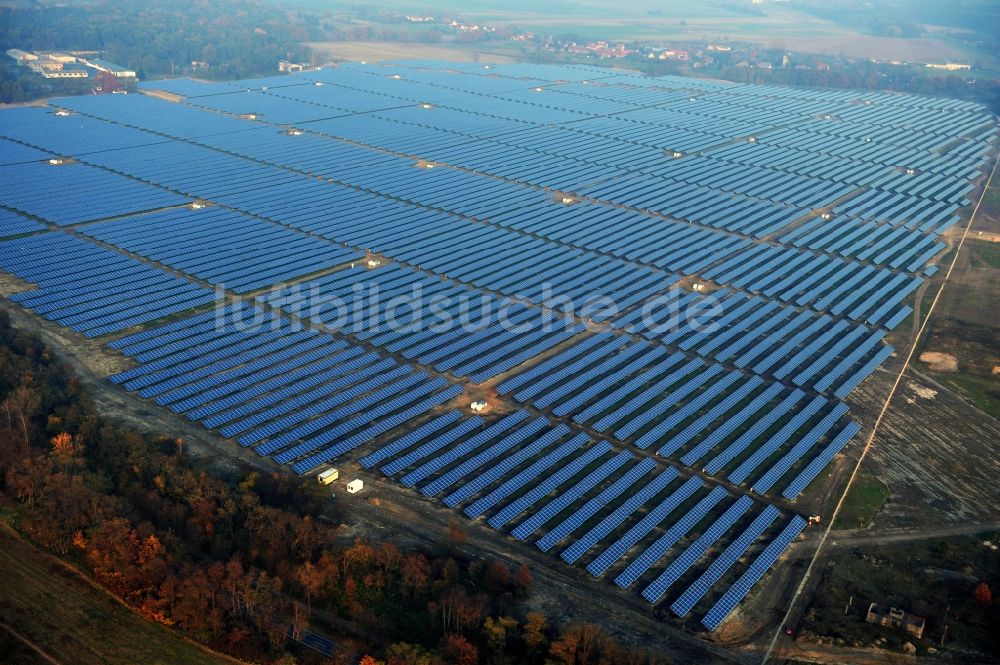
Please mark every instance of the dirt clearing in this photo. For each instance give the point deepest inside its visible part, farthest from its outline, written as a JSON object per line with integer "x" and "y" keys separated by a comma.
{"x": 939, "y": 362}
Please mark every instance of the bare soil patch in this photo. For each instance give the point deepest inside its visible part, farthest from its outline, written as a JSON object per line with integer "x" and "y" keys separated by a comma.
{"x": 939, "y": 362}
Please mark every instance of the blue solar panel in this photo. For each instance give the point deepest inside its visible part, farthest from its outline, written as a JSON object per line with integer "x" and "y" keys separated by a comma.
{"x": 542, "y": 368}
{"x": 738, "y": 591}
{"x": 395, "y": 420}
{"x": 432, "y": 446}
{"x": 685, "y": 559}
{"x": 483, "y": 231}
{"x": 678, "y": 530}
{"x": 776, "y": 440}
{"x": 724, "y": 562}
{"x": 551, "y": 482}
{"x": 719, "y": 433}
{"x": 641, "y": 529}
{"x": 754, "y": 432}
{"x": 12, "y": 224}
{"x": 528, "y": 475}
{"x": 470, "y": 464}
{"x": 618, "y": 516}
{"x": 503, "y": 467}
{"x": 566, "y": 499}
{"x": 409, "y": 439}
{"x": 589, "y": 509}
{"x": 812, "y": 470}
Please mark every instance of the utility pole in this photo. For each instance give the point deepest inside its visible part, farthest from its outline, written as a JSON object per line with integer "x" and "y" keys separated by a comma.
{"x": 850, "y": 602}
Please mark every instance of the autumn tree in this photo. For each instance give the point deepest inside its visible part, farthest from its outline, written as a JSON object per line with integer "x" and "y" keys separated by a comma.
{"x": 534, "y": 632}
{"x": 497, "y": 576}
{"x": 982, "y": 595}
{"x": 579, "y": 644}
{"x": 403, "y": 653}
{"x": 20, "y": 407}
{"x": 62, "y": 444}
{"x": 457, "y": 650}
{"x": 415, "y": 574}
{"x": 523, "y": 580}
{"x": 496, "y": 633}
{"x": 312, "y": 580}
{"x": 460, "y": 612}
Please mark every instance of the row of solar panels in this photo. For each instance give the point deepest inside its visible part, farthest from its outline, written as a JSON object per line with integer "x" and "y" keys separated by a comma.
{"x": 223, "y": 247}
{"x": 717, "y": 92}
{"x": 13, "y": 224}
{"x": 896, "y": 247}
{"x": 816, "y": 350}
{"x": 73, "y": 193}
{"x": 682, "y": 407}
{"x": 530, "y": 265}
{"x": 647, "y": 396}
{"x": 926, "y": 113}
{"x": 290, "y": 392}
{"x": 305, "y": 397}
{"x": 632, "y": 519}
{"x": 94, "y": 290}
{"x": 704, "y": 217}
{"x": 843, "y": 288}
{"x": 884, "y": 207}
{"x": 410, "y": 138}
{"x": 70, "y": 134}
{"x": 461, "y": 250}
{"x": 17, "y": 153}
{"x": 663, "y": 243}
{"x": 886, "y": 145}
{"x": 370, "y": 119}
{"x": 433, "y": 322}
{"x": 758, "y": 336}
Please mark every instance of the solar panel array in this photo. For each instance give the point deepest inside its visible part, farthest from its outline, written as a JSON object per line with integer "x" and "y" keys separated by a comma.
{"x": 14, "y": 224}
{"x": 72, "y": 193}
{"x": 222, "y": 247}
{"x": 18, "y": 153}
{"x": 407, "y": 312}
{"x": 299, "y": 395}
{"x": 94, "y": 290}
{"x": 614, "y": 510}
{"x": 727, "y": 423}
{"x": 671, "y": 284}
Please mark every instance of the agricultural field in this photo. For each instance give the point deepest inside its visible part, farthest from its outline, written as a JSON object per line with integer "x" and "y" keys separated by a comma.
{"x": 374, "y": 51}
{"x": 60, "y": 616}
{"x": 633, "y": 328}
{"x": 772, "y": 25}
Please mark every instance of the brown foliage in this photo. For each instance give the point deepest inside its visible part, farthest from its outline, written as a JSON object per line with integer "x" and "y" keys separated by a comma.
{"x": 982, "y": 595}
{"x": 459, "y": 651}
{"x": 228, "y": 564}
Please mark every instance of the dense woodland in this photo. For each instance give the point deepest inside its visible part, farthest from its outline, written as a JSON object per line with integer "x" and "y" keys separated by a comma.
{"x": 236, "y": 38}
{"x": 238, "y": 564}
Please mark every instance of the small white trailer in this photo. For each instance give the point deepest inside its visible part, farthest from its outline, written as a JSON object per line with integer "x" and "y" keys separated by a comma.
{"x": 355, "y": 486}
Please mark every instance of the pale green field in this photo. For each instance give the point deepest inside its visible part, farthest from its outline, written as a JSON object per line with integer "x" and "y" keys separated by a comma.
{"x": 695, "y": 20}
